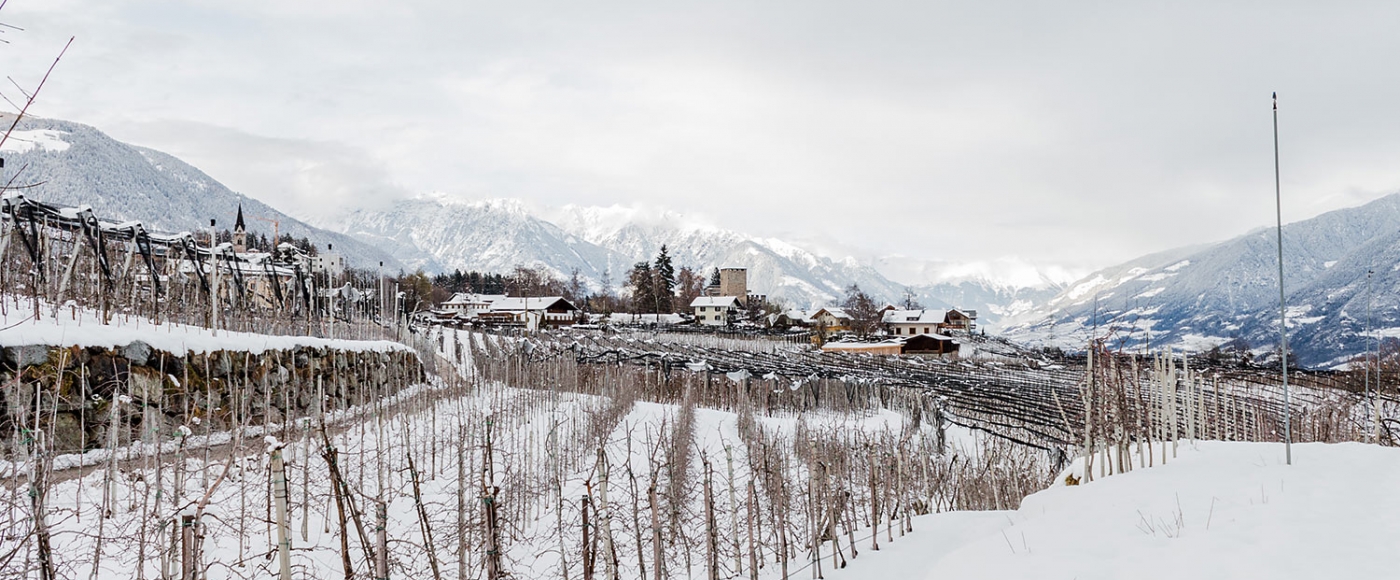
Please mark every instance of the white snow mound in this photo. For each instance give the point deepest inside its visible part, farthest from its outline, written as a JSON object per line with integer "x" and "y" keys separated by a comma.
{"x": 1219, "y": 510}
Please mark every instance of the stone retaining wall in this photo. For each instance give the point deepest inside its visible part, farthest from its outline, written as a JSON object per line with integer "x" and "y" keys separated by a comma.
{"x": 157, "y": 393}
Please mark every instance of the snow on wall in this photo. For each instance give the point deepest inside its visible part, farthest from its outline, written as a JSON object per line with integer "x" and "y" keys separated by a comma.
{"x": 75, "y": 326}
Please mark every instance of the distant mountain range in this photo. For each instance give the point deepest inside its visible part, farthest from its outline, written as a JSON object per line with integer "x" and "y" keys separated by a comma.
{"x": 437, "y": 234}
{"x": 1203, "y": 296}
{"x": 74, "y": 164}
{"x": 1192, "y": 298}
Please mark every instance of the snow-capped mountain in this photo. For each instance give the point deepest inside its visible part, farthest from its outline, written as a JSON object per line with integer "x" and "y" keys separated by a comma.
{"x": 777, "y": 268}
{"x": 1204, "y": 296}
{"x": 439, "y": 234}
{"x": 74, "y": 164}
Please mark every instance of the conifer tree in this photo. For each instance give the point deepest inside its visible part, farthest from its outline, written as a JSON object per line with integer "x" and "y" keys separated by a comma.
{"x": 640, "y": 280}
{"x": 664, "y": 288}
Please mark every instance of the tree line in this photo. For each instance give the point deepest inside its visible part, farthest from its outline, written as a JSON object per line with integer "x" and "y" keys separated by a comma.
{"x": 655, "y": 286}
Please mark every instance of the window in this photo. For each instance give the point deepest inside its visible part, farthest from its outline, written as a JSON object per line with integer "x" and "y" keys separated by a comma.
{"x": 925, "y": 330}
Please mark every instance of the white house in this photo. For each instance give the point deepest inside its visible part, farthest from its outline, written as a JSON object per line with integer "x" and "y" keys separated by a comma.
{"x": 914, "y": 322}
{"x": 329, "y": 263}
{"x": 468, "y": 306}
{"x": 715, "y": 310}
{"x": 833, "y": 319}
{"x": 531, "y": 312}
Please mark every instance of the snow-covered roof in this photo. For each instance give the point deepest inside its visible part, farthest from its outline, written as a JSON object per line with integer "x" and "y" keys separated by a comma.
{"x": 925, "y": 316}
{"x": 528, "y": 304}
{"x": 625, "y": 318}
{"x": 853, "y": 345}
{"x": 793, "y": 316}
{"x": 835, "y": 312}
{"x": 799, "y": 315}
{"x": 721, "y": 301}
{"x": 469, "y": 298}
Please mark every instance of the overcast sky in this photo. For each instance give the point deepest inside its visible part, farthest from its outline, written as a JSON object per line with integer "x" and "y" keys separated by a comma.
{"x": 1069, "y": 133}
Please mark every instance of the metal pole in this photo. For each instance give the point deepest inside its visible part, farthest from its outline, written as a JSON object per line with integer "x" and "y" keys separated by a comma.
{"x": 1282, "y": 310}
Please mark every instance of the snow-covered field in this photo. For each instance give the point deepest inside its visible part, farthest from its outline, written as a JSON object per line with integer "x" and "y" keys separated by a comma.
{"x": 692, "y": 487}
{"x": 550, "y": 449}
{"x": 1220, "y": 510}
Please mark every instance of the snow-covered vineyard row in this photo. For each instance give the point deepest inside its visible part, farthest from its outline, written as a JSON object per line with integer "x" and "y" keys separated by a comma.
{"x": 591, "y": 456}
{"x": 67, "y": 256}
{"x": 1041, "y": 407}
{"x": 546, "y": 470}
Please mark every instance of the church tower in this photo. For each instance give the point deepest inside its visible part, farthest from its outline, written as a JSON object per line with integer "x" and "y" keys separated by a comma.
{"x": 240, "y": 235}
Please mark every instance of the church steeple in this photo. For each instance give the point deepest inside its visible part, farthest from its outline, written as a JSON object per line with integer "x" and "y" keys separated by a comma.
{"x": 240, "y": 236}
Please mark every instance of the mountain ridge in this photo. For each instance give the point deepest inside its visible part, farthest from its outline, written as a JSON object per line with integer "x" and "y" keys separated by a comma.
{"x": 75, "y": 164}
{"x": 443, "y": 234}
{"x": 1203, "y": 296}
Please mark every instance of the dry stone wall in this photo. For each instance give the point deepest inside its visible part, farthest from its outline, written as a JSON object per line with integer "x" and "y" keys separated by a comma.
{"x": 69, "y": 392}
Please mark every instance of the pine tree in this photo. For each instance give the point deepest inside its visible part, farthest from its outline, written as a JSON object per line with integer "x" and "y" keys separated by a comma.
{"x": 664, "y": 287}
{"x": 640, "y": 280}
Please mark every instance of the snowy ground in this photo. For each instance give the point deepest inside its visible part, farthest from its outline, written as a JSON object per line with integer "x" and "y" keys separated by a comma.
{"x": 1220, "y": 510}
{"x": 1217, "y": 510}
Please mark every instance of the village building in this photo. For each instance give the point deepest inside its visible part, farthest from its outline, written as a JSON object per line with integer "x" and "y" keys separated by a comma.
{"x": 240, "y": 233}
{"x": 919, "y": 344}
{"x": 734, "y": 282}
{"x": 792, "y": 319}
{"x": 328, "y": 263}
{"x": 715, "y": 310}
{"x": 629, "y": 319}
{"x": 884, "y": 347}
{"x": 926, "y": 321}
{"x": 467, "y": 305}
{"x": 833, "y": 319}
{"x": 532, "y": 313}
{"x": 930, "y": 344}
{"x": 913, "y": 322}
{"x": 964, "y": 320}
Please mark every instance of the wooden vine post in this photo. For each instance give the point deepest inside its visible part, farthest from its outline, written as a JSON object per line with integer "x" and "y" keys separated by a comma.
{"x": 279, "y": 494}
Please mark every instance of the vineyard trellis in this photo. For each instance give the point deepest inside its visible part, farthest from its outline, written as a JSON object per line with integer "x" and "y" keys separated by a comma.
{"x": 57, "y": 256}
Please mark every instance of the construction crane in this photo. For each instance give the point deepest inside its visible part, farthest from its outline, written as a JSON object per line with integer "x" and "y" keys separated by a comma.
{"x": 274, "y": 228}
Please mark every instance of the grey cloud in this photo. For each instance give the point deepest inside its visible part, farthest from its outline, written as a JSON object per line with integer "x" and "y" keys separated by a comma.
{"x": 1070, "y": 133}
{"x": 316, "y": 181}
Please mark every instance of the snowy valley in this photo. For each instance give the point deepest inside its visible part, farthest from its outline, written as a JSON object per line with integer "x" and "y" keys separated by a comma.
{"x": 205, "y": 416}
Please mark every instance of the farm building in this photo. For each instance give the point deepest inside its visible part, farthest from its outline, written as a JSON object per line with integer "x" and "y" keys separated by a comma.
{"x": 922, "y": 344}
{"x": 927, "y": 321}
{"x": 715, "y": 310}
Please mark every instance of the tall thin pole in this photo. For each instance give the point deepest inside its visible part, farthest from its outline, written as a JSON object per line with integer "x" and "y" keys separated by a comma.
{"x": 279, "y": 495}
{"x": 1282, "y": 311}
{"x": 1367, "y": 358}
